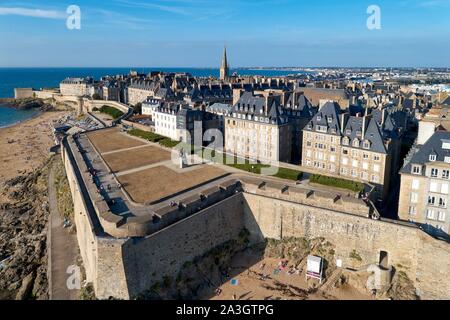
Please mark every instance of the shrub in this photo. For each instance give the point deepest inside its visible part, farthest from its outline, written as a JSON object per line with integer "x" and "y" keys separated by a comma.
{"x": 338, "y": 183}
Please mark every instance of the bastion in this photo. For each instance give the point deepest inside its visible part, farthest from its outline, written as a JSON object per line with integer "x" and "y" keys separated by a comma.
{"x": 130, "y": 239}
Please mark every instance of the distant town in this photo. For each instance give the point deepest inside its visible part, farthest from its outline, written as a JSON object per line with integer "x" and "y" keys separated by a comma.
{"x": 333, "y": 174}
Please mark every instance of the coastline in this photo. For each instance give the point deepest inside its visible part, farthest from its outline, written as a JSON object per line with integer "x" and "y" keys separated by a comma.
{"x": 25, "y": 145}
{"x": 38, "y": 114}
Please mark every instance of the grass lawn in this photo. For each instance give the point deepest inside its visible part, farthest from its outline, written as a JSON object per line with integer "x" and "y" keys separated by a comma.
{"x": 338, "y": 183}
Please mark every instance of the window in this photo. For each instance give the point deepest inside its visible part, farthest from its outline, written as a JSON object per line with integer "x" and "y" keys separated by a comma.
{"x": 365, "y": 166}
{"x": 442, "y": 202}
{"x": 375, "y": 178}
{"x": 356, "y": 143}
{"x": 431, "y": 214}
{"x": 414, "y": 197}
{"x": 332, "y": 158}
{"x": 344, "y": 161}
{"x": 355, "y": 163}
{"x": 376, "y": 168}
{"x": 332, "y": 149}
{"x": 431, "y": 200}
{"x": 416, "y": 170}
{"x": 415, "y": 184}
{"x": 412, "y": 211}
{"x": 376, "y": 158}
{"x": 444, "y": 188}
{"x": 445, "y": 174}
{"x": 432, "y": 157}
{"x": 434, "y": 173}
{"x": 441, "y": 216}
{"x": 365, "y": 156}
{"x": 345, "y": 141}
{"x": 366, "y": 145}
{"x": 345, "y": 151}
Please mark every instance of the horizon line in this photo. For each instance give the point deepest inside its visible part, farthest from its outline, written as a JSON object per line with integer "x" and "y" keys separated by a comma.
{"x": 233, "y": 68}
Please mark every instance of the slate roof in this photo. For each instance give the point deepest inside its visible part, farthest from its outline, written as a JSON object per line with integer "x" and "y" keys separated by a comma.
{"x": 432, "y": 146}
{"x": 354, "y": 127}
{"x": 327, "y": 116}
{"x": 251, "y": 106}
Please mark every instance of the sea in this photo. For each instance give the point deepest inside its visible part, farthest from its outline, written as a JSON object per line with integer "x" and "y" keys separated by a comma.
{"x": 38, "y": 78}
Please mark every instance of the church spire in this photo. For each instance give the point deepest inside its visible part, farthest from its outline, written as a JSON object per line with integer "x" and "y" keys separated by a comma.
{"x": 224, "y": 69}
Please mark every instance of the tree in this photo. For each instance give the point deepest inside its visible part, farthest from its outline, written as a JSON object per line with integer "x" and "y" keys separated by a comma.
{"x": 138, "y": 108}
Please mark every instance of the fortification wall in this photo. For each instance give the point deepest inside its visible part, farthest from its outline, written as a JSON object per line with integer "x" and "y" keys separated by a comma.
{"x": 122, "y": 268}
{"x": 424, "y": 259}
{"x": 149, "y": 259}
{"x": 87, "y": 240}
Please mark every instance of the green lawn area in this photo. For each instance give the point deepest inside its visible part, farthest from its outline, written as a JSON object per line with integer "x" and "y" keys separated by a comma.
{"x": 113, "y": 112}
{"x": 153, "y": 137}
{"x": 338, "y": 183}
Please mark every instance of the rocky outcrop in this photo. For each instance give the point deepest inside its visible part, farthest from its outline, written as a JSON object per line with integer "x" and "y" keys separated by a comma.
{"x": 26, "y": 104}
{"x": 23, "y": 252}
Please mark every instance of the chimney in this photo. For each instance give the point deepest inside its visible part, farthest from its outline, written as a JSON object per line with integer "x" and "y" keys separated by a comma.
{"x": 342, "y": 121}
{"x": 364, "y": 126}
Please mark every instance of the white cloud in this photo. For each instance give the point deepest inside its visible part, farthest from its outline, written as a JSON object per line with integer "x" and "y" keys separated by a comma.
{"x": 35, "y": 13}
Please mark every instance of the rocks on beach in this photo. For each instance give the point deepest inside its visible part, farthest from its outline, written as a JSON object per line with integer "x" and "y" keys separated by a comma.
{"x": 23, "y": 237}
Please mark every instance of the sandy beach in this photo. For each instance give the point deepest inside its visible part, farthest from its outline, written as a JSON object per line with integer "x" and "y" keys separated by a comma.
{"x": 25, "y": 146}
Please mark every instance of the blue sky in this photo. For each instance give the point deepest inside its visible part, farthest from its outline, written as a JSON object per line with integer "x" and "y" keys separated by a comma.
{"x": 192, "y": 33}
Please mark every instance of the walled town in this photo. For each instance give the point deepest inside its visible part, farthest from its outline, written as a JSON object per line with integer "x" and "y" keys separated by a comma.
{"x": 326, "y": 184}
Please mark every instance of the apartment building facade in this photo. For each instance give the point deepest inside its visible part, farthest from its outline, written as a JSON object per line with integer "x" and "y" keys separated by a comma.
{"x": 75, "y": 87}
{"x": 350, "y": 147}
{"x": 425, "y": 185}
{"x": 258, "y": 128}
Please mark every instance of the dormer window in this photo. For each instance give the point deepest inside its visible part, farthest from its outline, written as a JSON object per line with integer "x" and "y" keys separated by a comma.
{"x": 319, "y": 118}
{"x": 432, "y": 157}
{"x": 348, "y": 131}
{"x": 345, "y": 141}
{"x": 366, "y": 145}
{"x": 356, "y": 143}
{"x": 417, "y": 170}
{"x": 330, "y": 119}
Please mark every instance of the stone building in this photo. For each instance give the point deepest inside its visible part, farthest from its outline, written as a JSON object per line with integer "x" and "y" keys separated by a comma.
{"x": 140, "y": 90}
{"x": 354, "y": 147}
{"x": 177, "y": 121}
{"x": 75, "y": 86}
{"x": 425, "y": 180}
{"x": 150, "y": 105}
{"x": 260, "y": 127}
